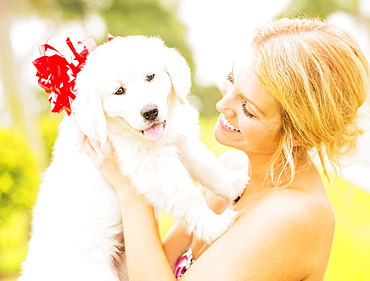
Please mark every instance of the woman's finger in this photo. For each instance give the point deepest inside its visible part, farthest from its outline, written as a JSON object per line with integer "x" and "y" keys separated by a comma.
{"x": 108, "y": 149}
{"x": 91, "y": 149}
{"x": 96, "y": 146}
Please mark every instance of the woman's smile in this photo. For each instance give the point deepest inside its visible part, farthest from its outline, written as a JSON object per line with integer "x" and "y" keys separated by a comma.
{"x": 226, "y": 125}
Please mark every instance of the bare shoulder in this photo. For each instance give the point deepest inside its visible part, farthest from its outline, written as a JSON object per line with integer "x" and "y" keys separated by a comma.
{"x": 294, "y": 226}
{"x": 291, "y": 207}
{"x": 285, "y": 235}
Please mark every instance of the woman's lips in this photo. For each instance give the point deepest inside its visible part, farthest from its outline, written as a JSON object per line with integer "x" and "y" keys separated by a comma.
{"x": 227, "y": 126}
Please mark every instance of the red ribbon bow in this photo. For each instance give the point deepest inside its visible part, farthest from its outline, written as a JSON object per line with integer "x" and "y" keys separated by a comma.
{"x": 57, "y": 76}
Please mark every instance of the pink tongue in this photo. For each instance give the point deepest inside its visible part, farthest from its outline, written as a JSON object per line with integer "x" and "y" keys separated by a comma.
{"x": 155, "y": 132}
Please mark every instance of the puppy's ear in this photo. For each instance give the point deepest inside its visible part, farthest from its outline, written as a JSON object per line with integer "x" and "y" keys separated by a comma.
{"x": 89, "y": 114}
{"x": 179, "y": 71}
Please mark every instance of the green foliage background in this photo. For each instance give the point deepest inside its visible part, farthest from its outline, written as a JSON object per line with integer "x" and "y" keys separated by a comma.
{"x": 17, "y": 170}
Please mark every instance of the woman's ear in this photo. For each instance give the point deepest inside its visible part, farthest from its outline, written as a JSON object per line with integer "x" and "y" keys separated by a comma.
{"x": 88, "y": 112}
{"x": 179, "y": 72}
{"x": 296, "y": 142}
{"x": 296, "y": 139}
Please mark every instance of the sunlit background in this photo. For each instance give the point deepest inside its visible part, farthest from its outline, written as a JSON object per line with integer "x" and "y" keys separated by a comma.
{"x": 210, "y": 34}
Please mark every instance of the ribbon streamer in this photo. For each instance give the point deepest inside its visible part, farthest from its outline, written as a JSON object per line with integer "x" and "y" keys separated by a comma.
{"x": 57, "y": 76}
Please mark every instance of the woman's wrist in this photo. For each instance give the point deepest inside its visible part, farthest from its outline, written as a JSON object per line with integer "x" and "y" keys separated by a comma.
{"x": 128, "y": 196}
{"x": 136, "y": 200}
{"x": 143, "y": 244}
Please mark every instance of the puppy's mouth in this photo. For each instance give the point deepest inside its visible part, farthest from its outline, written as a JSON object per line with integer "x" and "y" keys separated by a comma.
{"x": 155, "y": 132}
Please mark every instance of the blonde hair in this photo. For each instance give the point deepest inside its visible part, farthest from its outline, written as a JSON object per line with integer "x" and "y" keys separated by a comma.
{"x": 319, "y": 77}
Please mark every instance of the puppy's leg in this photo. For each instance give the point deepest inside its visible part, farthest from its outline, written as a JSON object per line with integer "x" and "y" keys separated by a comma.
{"x": 169, "y": 187}
{"x": 202, "y": 164}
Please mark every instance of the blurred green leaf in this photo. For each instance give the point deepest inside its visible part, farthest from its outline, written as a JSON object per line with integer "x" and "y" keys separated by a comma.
{"x": 321, "y": 8}
{"x": 19, "y": 176}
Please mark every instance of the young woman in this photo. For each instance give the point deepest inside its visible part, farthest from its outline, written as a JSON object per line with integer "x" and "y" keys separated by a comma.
{"x": 295, "y": 91}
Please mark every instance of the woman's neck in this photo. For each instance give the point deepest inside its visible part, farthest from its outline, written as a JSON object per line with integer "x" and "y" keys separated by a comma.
{"x": 260, "y": 170}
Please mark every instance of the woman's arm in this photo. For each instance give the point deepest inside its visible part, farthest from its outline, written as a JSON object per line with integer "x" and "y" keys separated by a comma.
{"x": 176, "y": 242}
{"x": 145, "y": 256}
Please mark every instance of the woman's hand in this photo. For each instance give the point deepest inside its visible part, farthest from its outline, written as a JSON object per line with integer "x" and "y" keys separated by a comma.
{"x": 105, "y": 159}
{"x": 146, "y": 259}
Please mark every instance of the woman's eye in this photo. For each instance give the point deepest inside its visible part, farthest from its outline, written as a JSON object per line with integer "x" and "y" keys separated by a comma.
{"x": 230, "y": 78}
{"x": 119, "y": 91}
{"x": 245, "y": 110}
{"x": 150, "y": 77}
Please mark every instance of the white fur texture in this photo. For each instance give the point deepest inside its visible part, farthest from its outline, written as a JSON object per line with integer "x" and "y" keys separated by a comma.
{"x": 77, "y": 231}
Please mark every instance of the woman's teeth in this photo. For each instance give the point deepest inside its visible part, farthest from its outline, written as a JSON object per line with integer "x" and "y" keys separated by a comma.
{"x": 227, "y": 123}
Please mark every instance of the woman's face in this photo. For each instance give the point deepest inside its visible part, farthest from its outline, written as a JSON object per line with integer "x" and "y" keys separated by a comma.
{"x": 250, "y": 117}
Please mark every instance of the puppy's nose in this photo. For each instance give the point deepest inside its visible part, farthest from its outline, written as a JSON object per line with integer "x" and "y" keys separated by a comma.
{"x": 149, "y": 112}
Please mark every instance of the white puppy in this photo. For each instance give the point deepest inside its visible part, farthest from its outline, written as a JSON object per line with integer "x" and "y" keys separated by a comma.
{"x": 132, "y": 90}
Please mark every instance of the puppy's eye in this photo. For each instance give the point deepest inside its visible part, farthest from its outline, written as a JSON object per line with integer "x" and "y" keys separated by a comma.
{"x": 119, "y": 91}
{"x": 150, "y": 77}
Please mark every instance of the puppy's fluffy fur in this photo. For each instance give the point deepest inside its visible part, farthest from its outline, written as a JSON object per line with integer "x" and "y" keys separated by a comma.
{"x": 132, "y": 90}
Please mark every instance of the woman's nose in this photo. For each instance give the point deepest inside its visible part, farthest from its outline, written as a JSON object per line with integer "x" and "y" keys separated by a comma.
{"x": 225, "y": 105}
{"x": 220, "y": 105}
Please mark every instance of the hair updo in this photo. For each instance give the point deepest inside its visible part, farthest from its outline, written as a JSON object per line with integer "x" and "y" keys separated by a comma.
{"x": 319, "y": 78}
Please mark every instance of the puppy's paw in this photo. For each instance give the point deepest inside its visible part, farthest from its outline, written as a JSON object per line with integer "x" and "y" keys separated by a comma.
{"x": 212, "y": 227}
{"x": 234, "y": 185}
